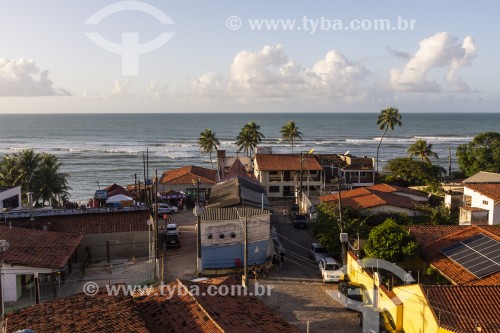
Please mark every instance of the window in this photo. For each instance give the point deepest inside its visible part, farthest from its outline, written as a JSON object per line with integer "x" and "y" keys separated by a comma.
{"x": 273, "y": 172}
{"x": 485, "y": 202}
{"x": 274, "y": 189}
{"x": 363, "y": 174}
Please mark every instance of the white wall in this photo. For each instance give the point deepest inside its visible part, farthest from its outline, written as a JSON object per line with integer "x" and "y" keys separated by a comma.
{"x": 477, "y": 201}
{"x": 9, "y": 285}
{"x": 10, "y": 193}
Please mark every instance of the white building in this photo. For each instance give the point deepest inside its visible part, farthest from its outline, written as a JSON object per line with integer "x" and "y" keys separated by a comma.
{"x": 10, "y": 197}
{"x": 481, "y": 204}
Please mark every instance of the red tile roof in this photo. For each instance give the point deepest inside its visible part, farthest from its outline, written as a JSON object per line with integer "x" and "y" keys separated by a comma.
{"x": 431, "y": 252}
{"x": 463, "y": 309}
{"x": 429, "y": 233}
{"x": 491, "y": 191}
{"x": 291, "y": 162}
{"x": 368, "y": 197}
{"x": 98, "y": 223}
{"x": 188, "y": 175}
{"x": 175, "y": 309}
{"x": 115, "y": 189}
{"x": 37, "y": 248}
{"x": 81, "y": 314}
{"x": 238, "y": 170}
{"x": 392, "y": 188}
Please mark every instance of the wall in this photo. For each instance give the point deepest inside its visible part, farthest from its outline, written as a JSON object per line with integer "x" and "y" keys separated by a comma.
{"x": 9, "y": 280}
{"x": 15, "y": 191}
{"x": 123, "y": 245}
{"x": 496, "y": 214}
{"x": 477, "y": 201}
{"x": 417, "y": 315}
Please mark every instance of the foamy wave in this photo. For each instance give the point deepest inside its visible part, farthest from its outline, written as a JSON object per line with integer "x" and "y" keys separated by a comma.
{"x": 444, "y": 138}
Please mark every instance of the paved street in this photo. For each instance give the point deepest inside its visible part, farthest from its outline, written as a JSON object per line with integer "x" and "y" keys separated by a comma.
{"x": 298, "y": 294}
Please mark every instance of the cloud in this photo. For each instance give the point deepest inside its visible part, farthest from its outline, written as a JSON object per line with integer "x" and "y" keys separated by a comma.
{"x": 435, "y": 52}
{"x": 22, "y": 77}
{"x": 270, "y": 73}
{"x": 120, "y": 88}
{"x": 399, "y": 54}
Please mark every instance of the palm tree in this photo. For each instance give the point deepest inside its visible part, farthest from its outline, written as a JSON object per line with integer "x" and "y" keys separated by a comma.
{"x": 208, "y": 142}
{"x": 26, "y": 162}
{"x": 290, "y": 132}
{"x": 423, "y": 150}
{"x": 249, "y": 137}
{"x": 387, "y": 119}
{"x": 50, "y": 183}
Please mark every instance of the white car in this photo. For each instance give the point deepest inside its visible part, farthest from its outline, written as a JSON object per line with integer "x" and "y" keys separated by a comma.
{"x": 318, "y": 251}
{"x": 330, "y": 270}
{"x": 166, "y": 209}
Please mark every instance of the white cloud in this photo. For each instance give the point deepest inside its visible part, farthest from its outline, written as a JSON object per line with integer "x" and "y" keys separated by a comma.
{"x": 435, "y": 52}
{"x": 269, "y": 73}
{"x": 120, "y": 88}
{"x": 22, "y": 77}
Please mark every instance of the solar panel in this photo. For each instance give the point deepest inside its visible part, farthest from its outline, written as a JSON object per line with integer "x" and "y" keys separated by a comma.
{"x": 479, "y": 254}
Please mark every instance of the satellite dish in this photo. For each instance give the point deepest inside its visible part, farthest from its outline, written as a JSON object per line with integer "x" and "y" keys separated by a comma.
{"x": 347, "y": 152}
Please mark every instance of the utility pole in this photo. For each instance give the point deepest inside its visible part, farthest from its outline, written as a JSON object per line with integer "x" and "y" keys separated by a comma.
{"x": 1, "y": 293}
{"x": 449, "y": 162}
{"x": 245, "y": 254}
{"x": 341, "y": 222}
{"x": 198, "y": 242}
{"x": 300, "y": 175}
{"x": 156, "y": 219}
{"x": 145, "y": 182}
{"x": 37, "y": 289}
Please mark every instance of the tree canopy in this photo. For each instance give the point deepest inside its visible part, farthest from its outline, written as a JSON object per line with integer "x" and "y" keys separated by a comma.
{"x": 208, "y": 142}
{"x": 412, "y": 172}
{"x": 391, "y": 242}
{"x": 387, "y": 120}
{"x": 423, "y": 150}
{"x": 249, "y": 137}
{"x": 481, "y": 154}
{"x": 290, "y": 132}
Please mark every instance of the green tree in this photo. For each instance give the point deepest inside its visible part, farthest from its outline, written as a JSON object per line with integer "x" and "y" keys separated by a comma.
{"x": 481, "y": 154}
{"x": 327, "y": 227}
{"x": 391, "y": 242}
{"x": 249, "y": 137}
{"x": 387, "y": 119}
{"x": 290, "y": 132}
{"x": 208, "y": 142}
{"x": 51, "y": 185}
{"x": 35, "y": 172}
{"x": 423, "y": 150}
{"x": 412, "y": 172}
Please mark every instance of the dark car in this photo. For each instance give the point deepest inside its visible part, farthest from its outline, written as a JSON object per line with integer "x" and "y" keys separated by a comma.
{"x": 299, "y": 221}
{"x": 172, "y": 240}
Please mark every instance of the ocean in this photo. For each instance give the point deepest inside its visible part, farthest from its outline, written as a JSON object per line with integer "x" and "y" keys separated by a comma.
{"x": 107, "y": 148}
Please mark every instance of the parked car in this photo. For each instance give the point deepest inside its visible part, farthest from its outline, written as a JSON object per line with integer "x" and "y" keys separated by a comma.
{"x": 318, "y": 251}
{"x": 353, "y": 295}
{"x": 330, "y": 270}
{"x": 299, "y": 221}
{"x": 172, "y": 239}
{"x": 166, "y": 209}
{"x": 172, "y": 227}
{"x": 373, "y": 321}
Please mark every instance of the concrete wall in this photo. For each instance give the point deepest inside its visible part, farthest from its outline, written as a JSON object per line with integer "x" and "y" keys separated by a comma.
{"x": 122, "y": 245}
{"x": 15, "y": 191}
{"x": 477, "y": 201}
{"x": 417, "y": 315}
{"x": 224, "y": 256}
{"x": 10, "y": 279}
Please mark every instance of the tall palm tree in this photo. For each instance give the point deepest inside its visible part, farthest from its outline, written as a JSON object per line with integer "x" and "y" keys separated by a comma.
{"x": 387, "y": 119}
{"x": 26, "y": 162}
{"x": 423, "y": 150}
{"x": 50, "y": 183}
{"x": 208, "y": 142}
{"x": 249, "y": 137}
{"x": 290, "y": 132}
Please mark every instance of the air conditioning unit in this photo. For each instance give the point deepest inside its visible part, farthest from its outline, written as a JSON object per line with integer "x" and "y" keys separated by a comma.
{"x": 4, "y": 245}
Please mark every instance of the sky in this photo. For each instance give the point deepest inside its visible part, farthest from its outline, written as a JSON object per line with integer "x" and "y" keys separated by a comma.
{"x": 95, "y": 56}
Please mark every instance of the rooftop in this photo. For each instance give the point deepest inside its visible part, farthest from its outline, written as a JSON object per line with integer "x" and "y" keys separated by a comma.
{"x": 456, "y": 273}
{"x": 483, "y": 177}
{"x": 462, "y": 309}
{"x": 189, "y": 175}
{"x": 37, "y": 248}
{"x": 115, "y": 189}
{"x": 491, "y": 191}
{"x": 238, "y": 191}
{"x": 286, "y": 162}
{"x": 372, "y": 196}
{"x": 220, "y": 214}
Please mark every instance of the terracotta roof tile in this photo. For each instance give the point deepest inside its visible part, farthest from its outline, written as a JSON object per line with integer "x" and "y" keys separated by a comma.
{"x": 431, "y": 252}
{"x": 37, "y": 248}
{"x": 491, "y": 191}
{"x": 271, "y": 162}
{"x": 429, "y": 233}
{"x": 368, "y": 197}
{"x": 81, "y": 314}
{"x": 463, "y": 309}
{"x": 115, "y": 189}
{"x": 188, "y": 175}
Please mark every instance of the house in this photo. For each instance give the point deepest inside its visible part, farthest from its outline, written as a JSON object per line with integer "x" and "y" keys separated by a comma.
{"x": 222, "y": 238}
{"x": 457, "y": 309}
{"x": 381, "y": 198}
{"x": 281, "y": 174}
{"x": 185, "y": 179}
{"x": 353, "y": 171}
{"x": 10, "y": 197}
{"x": 175, "y": 307}
{"x": 106, "y": 235}
{"x": 25, "y": 252}
{"x": 238, "y": 192}
{"x": 481, "y": 204}
{"x": 417, "y": 308}
{"x": 226, "y": 163}
{"x": 464, "y": 255}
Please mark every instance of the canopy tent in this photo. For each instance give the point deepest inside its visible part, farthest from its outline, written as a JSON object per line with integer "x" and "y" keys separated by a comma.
{"x": 173, "y": 195}
{"x": 119, "y": 198}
